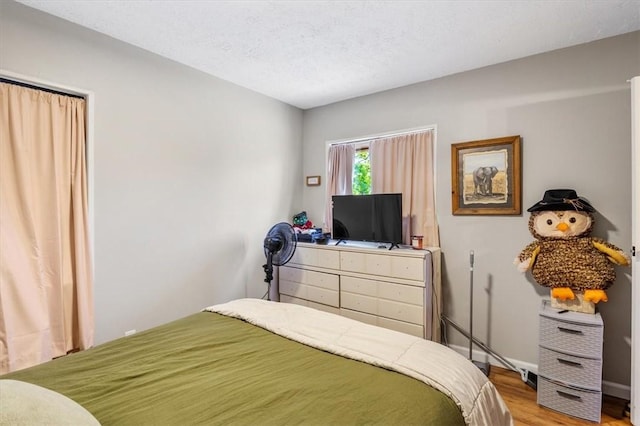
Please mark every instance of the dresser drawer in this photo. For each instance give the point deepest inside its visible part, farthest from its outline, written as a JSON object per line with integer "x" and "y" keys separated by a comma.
{"x": 401, "y": 326}
{"x": 288, "y": 299}
{"x": 581, "y": 372}
{"x": 580, "y": 403}
{"x": 387, "y": 265}
{"x": 311, "y": 293}
{"x": 313, "y": 278}
{"x": 573, "y": 338}
{"x": 385, "y": 308}
{"x": 397, "y": 292}
{"x": 317, "y": 257}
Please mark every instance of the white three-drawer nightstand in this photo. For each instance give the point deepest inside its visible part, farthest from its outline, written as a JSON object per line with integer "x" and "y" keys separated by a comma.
{"x": 570, "y": 362}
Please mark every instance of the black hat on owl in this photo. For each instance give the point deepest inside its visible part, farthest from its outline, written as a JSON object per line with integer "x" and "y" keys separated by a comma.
{"x": 561, "y": 199}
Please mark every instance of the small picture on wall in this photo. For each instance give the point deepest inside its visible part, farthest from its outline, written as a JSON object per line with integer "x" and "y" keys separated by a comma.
{"x": 313, "y": 180}
{"x": 485, "y": 177}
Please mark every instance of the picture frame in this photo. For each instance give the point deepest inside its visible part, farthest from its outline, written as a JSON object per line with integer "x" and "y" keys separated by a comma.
{"x": 313, "y": 180}
{"x": 486, "y": 177}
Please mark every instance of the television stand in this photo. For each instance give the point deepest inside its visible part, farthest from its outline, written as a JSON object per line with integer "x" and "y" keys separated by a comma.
{"x": 341, "y": 241}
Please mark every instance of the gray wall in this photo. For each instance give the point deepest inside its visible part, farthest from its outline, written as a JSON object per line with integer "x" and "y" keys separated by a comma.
{"x": 190, "y": 171}
{"x": 572, "y": 109}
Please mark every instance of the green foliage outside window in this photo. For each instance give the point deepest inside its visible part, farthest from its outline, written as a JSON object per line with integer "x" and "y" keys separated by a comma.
{"x": 361, "y": 173}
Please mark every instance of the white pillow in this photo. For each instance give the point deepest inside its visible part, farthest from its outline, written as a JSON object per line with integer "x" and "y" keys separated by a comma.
{"x": 23, "y": 403}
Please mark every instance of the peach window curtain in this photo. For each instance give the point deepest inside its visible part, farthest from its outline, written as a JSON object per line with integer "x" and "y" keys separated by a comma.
{"x": 339, "y": 176}
{"x": 46, "y": 282}
{"x": 405, "y": 164}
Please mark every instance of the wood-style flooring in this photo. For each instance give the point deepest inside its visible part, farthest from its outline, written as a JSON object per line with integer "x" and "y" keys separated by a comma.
{"x": 521, "y": 400}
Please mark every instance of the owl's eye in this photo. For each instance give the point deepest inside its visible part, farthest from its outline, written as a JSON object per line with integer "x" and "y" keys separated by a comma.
{"x": 549, "y": 222}
{"x": 572, "y": 220}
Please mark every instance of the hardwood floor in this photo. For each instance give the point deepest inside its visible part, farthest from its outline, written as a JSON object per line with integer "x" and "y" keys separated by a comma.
{"x": 521, "y": 400}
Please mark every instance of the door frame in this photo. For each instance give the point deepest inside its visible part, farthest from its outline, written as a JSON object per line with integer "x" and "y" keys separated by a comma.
{"x": 635, "y": 244}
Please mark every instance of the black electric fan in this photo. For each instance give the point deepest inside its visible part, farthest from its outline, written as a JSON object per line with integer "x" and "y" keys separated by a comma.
{"x": 279, "y": 246}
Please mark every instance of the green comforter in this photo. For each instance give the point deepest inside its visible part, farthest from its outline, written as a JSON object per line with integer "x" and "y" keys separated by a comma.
{"x": 211, "y": 369}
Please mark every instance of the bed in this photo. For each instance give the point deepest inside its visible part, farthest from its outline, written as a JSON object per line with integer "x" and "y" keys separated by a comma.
{"x": 255, "y": 362}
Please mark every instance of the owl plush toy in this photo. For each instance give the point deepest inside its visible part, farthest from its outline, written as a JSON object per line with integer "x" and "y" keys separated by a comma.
{"x": 564, "y": 256}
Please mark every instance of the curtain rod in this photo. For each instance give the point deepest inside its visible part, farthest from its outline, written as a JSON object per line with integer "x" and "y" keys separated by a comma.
{"x": 382, "y": 136}
{"x": 44, "y": 89}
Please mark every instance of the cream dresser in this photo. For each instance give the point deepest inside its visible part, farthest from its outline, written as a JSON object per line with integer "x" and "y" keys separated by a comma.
{"x": 397, "y": 289}
{"x": 570, "y": 362}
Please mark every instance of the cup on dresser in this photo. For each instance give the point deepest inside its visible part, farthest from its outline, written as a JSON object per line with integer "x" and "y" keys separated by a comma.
{"x": 416, "y": 242}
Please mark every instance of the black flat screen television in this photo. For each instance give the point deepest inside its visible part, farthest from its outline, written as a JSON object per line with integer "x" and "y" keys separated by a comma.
{"x": 376, "y": 218}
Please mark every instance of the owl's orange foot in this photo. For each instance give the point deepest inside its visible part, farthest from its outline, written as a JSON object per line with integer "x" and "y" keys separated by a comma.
{"x": 562, "y": 293}
{"x": 595, "y": 296}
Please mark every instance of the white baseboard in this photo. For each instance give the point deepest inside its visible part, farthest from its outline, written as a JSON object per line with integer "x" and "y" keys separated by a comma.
{"x": 608, "y": 388}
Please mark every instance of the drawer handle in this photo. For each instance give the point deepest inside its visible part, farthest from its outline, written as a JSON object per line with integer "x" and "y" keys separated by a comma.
{"x": 569, "y": 362}
{"x": 569, "y": 330}
{"x": 569, "y": 395}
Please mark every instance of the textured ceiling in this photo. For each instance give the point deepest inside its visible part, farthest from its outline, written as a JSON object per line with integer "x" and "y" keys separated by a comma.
{"x": 312, "y": 53}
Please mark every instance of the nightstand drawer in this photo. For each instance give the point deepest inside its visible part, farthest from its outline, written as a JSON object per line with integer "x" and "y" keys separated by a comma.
{"x": 580, "y": 403}
{"x": 582, "y": 372}
{"x": 573, "y": 338}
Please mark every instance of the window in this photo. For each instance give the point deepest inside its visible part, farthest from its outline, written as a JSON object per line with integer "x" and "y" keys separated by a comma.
{"x": 379, "y": 165}
{"x": 361, "y": 172}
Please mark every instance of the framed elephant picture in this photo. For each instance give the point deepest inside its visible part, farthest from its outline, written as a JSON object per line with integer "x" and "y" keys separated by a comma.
{"x": 485, "y": 177}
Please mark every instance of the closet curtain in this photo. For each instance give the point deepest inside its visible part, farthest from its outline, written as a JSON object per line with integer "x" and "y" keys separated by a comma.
{"x": 339, "y": 176}
{"x": 46, "y": 282}
{"x": 405, "y": 164}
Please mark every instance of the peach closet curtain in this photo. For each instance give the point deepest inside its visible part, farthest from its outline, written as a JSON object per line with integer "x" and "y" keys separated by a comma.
{"x": 405, "y": 164}
{"x": 339, "y": 176}
{"x": 46, "y": 283}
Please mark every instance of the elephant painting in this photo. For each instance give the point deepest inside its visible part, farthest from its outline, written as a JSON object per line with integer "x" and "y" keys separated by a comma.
{"x": 482, "y": 180}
